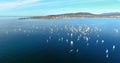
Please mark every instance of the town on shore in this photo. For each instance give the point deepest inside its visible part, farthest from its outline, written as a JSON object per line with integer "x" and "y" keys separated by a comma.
{"x": 78, "y": 15}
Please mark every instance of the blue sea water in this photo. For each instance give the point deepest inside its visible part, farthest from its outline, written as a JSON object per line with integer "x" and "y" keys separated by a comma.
{"x": 75, "y": 40}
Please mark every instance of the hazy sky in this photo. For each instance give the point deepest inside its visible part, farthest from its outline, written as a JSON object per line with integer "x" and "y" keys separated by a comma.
{"x": 46, "y": 7}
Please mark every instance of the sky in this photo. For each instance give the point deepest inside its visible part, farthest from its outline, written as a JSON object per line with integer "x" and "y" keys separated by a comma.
{"x": 48, "y": 7}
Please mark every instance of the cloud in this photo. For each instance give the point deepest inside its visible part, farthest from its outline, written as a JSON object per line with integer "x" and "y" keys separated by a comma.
{"x": 13, "y": 4}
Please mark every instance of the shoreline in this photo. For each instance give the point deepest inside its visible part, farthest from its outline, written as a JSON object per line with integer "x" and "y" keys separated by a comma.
{"x": 74, "y": 15}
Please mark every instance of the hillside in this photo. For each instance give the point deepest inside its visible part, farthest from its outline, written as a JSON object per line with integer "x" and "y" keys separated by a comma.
{"x": 79, "y": 15}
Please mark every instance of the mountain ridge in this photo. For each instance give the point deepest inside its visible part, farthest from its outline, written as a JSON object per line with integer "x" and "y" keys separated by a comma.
{"x": 79, "y": 15}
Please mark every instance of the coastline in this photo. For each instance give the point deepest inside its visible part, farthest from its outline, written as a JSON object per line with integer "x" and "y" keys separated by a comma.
{"x": 74, "y": 15}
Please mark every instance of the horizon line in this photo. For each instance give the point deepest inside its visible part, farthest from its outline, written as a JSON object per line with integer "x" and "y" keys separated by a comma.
{"x": 54, "y": 14}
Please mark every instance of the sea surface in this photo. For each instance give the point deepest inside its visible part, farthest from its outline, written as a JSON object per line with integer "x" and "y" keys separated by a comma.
{"x": 71, "y": 40}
